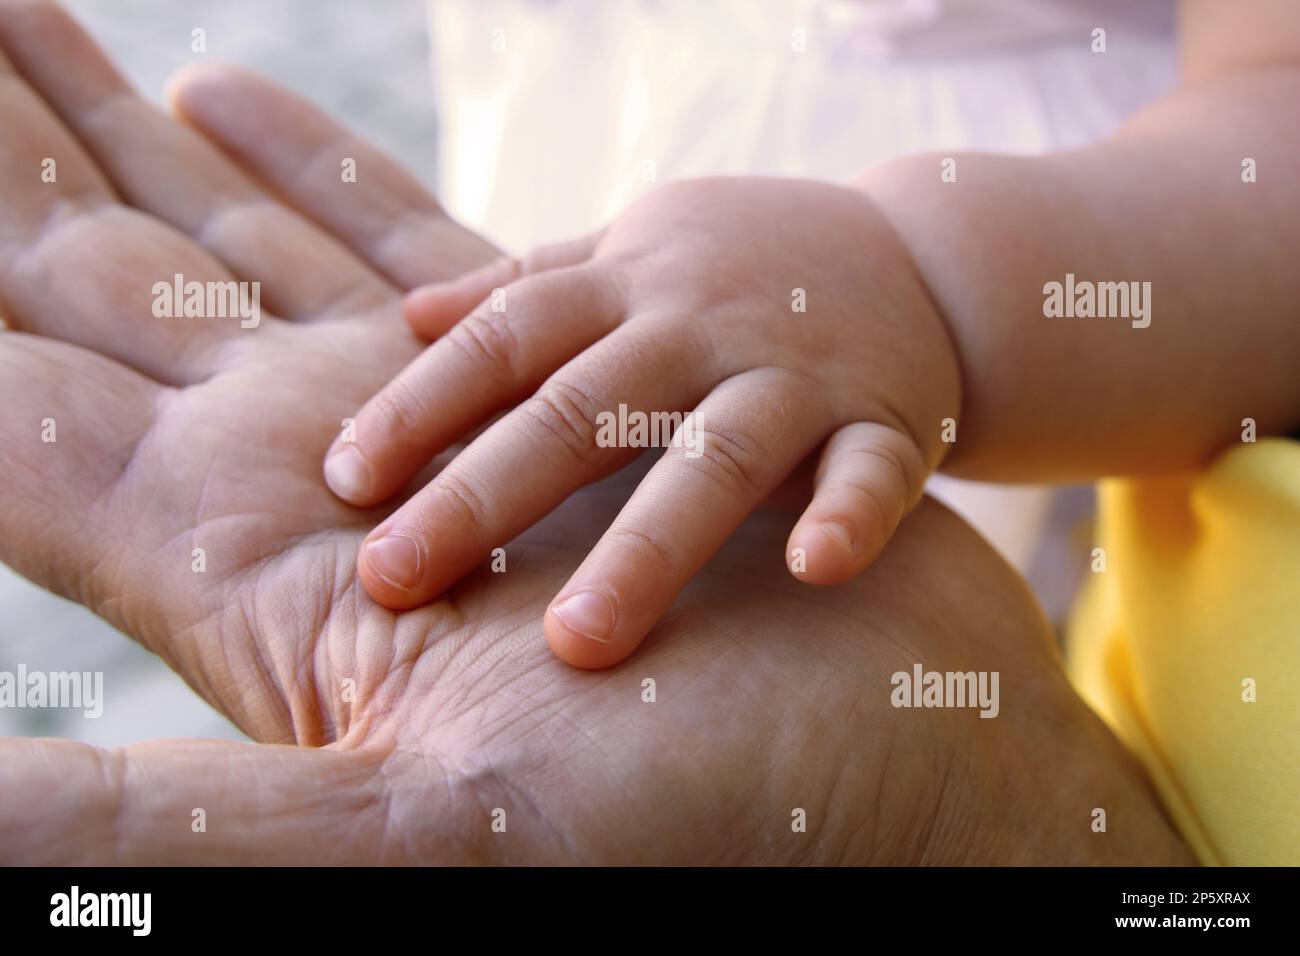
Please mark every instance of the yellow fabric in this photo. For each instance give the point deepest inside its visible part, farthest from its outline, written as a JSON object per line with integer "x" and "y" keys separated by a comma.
{"x": 1200, "y": 592}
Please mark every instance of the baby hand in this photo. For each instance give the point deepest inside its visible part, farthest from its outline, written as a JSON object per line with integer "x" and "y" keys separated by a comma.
{"x": 782, "y": 315}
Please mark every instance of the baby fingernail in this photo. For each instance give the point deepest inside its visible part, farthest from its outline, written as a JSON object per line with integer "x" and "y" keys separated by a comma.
{"x": 396, "y": 559}
{"x": 840, "y": 534}
{"x": 348, "y": 474}
{"x": 418, "y": 300}
{"x": 589, "y": 613}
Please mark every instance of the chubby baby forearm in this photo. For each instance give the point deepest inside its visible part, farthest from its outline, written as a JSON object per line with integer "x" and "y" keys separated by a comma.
{"x": 1124, "y": 308}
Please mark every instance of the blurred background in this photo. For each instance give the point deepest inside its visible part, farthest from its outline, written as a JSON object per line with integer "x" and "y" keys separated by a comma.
{"x": 370, "y": 70}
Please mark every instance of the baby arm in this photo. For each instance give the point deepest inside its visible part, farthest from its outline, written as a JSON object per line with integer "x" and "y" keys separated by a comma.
{"x": 1164, "y": 202}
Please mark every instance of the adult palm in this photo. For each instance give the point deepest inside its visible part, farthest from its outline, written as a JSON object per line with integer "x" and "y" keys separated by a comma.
{"x": 182, "y": 499}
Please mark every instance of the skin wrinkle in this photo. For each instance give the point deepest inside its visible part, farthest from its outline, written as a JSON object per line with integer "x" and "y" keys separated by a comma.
{"x": 733, "y": 454}
{"x": 114, "y": 780}
{"x": 474, "y": 783}
{"x": 652, "y": 834}
{"x": 402, "y": 668}
{"x": 592, "y": 739}
{"x": 890, "y": 459}
{"x": 417, "y": 211}
{"x": 670, "y": 749}
{"x": 847, "y": 756}
{"x": 926, "y": 831}
{"x": 922, "y": 817}
{"x": 89, "y": 124}
{"x": 799, "y": 382}
{"x": 342, "y": 800}
{"x": 244, "y": 210}
{"x": 458, "y": 491}
{"x": 361, "y": 286}
{"x": 335, "y": 579}
{"x": 322, "y": 163}
{"x": 355, "y": 297}
{"x": 382, "y": 753}
{"x": 85, "y": 203}
{"x": 396, "y": 237}
{"x": 560, "y": 836}
{"x": 180, "y": 652}
{"x": 849, "y": 841}
{"x": 12, "y": 75}
{"x": 509, "y": 686}
{"x": 384, "y": 245}
{"x": 629, "y": 792}
{"x": 467, "y": 705}
{"x": 774, "y": 820}
{"x": 634, "y": 537}
{"x": 103, "y": 502}
{"x": 321, "y": 719}
{"x": 32, "y": 260}
{"x": 452, "y": 665}
{"x": 773, "y": 728}
{"x": 569, "y": 413}
{"x": 392, "y": 409}
{"x": 259, "y": 662}
{"x": 905, "y": 657}
{"x": 700, "y": 339}
{"x": 96, "y": 596}
{"x": 819, "y": 834}
{"x": 530, "y": 707}
{"x": 489, "y": 344}
{"x": 340, "y": 718}
{"x": 959, "y": 812}
{"x": 381, "y": 802}
{"x": 339, "y": 723}
{"x": 354, "y": 716}
{"x": 211, "y": 693}
{"x": 872, "y": 499}
{"x": 367, "y": 713}
{"x": 238, "y": 578}
{"x": 269, "y": 678}
{"x": 764, "y": 785}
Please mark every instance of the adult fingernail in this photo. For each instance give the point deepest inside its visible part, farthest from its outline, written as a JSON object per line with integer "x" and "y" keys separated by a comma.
{"x": 589, "y": 613}
{"x": 348, "y": 474}
{"x": 396, "y": 559}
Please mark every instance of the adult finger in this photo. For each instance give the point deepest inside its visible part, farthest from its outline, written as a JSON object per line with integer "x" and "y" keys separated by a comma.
{"x": 77, "y": 265}
{"x": 332, "y": 176}
{"x": 196, "y": 801}
{"x": 166, "y": 169}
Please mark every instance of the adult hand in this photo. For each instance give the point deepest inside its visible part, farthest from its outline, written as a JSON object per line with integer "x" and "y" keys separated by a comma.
{"x": 398, "y": 737}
